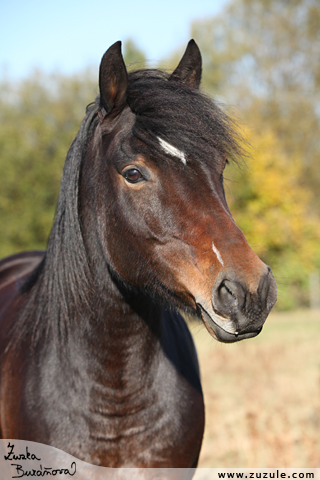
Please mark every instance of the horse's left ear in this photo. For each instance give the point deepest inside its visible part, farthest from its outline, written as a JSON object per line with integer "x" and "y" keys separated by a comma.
{"x": 190, "y": 67}
{"x": 113, "y": 81}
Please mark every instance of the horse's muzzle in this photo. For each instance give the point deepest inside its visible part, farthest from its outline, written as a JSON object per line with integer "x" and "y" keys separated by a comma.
{"x": 238, "y": 313}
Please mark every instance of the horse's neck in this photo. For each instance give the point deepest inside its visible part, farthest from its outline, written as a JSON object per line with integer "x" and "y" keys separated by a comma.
{"x": 120, "y": 344}
{"x": 124, "y": 342}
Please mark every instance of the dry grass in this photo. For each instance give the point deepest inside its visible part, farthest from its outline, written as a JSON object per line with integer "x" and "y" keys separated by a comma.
{"x": 262, "y": 395}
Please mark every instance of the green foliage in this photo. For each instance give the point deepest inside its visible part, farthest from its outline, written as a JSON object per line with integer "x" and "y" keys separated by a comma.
{"x": 270, "y": 206}
{"x": 38, "y": 120}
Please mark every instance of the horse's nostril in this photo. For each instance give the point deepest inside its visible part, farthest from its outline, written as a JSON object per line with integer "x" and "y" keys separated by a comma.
{"x": 226, "y": 291}
{"x": 228, "y": 297}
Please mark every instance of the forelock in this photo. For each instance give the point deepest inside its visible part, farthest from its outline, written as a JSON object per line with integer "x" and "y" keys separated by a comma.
{"x": 180, "y": 116}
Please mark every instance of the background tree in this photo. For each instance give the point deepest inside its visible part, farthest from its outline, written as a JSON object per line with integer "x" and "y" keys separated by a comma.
{"x": 39, "y": 118}
{"x": 269, "y": 205}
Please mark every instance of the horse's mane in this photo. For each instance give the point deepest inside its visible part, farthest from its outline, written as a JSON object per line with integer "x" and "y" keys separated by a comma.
{"x": 61, "y": 282}
{"x": 178, "y": 114}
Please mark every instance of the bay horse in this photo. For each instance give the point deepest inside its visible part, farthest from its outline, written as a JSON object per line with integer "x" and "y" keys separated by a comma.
{"x": 96, "y": 359}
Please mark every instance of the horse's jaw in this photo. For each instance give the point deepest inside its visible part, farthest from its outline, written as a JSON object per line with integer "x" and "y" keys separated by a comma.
{"x": 221, "y": 328}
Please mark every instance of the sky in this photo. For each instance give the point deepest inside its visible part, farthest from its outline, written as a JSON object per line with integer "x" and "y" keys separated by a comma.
{"x": 69, "y": 35}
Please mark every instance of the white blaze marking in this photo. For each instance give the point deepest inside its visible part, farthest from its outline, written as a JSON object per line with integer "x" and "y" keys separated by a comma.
{"x": 171, "y": 150}
{"x": 216, "y": 251}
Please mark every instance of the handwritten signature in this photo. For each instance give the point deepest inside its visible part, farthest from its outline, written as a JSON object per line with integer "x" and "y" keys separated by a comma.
{"x": 35, "y": 472}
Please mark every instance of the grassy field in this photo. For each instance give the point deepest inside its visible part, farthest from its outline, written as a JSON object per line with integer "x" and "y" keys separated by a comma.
{"x": 262, "y": 395}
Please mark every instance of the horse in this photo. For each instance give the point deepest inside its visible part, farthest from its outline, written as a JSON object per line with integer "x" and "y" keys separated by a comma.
{"x": 96, "y": 358}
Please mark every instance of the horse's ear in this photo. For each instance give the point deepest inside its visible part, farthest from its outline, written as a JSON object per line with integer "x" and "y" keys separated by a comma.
{"x": 190, "y": 67}
{"x": 113, "y": 81}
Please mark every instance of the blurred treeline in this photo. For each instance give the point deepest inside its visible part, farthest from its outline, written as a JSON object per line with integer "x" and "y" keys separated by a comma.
{"x": 260, "y": 56}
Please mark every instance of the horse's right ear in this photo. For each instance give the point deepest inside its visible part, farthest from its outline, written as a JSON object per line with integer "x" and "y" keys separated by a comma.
{"x": 190, "y": 67}
{"x": 113, "y": 81}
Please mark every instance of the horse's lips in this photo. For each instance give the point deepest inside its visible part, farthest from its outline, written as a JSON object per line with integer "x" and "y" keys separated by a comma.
{"x": 219, "y": 333}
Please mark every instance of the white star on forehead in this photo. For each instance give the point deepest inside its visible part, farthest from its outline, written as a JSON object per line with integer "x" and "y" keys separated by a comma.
{"x": 171, "y": 150}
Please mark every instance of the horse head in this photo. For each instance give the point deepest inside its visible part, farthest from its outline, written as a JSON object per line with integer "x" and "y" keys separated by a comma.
{"x": 154, "y": 196}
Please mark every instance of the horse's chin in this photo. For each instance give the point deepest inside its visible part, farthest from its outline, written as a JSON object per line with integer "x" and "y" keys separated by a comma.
{"x": 219, "y": 333}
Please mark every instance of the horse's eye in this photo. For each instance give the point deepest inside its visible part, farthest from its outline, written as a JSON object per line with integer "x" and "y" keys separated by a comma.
{"x": 132, "y": 175}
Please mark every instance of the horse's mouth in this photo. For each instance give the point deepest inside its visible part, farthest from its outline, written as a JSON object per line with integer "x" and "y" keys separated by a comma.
{"x": 220, "y": 333}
